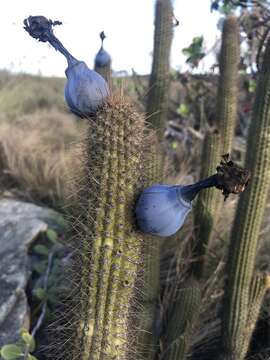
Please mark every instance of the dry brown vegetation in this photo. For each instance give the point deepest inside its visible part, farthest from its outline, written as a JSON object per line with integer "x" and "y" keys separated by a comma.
{"x": 39, "y": 154}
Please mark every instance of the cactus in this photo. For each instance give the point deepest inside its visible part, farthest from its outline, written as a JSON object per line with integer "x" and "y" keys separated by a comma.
{"x": 209, "y": 202}
{"x": 205, "y": 208}
{"x": 247, "y": 223}
{"x": 147, "y": 341}
{"x": 227, "y": 89}
{"x": 109, "y": 255}
{"x": 182, "y": 318}
{"x": 103, "y": 62}
{"x": 157, "y": 100}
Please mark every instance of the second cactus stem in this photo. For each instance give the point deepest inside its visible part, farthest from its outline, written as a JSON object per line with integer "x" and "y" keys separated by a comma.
{"x": 229, "y": 58}
{"x": 147, "y": 341}
{"x": 182, "y": 317}
{"x": 157, "y": 101}
{"x": 110, "y": 249}
{"x": 209, "y": 201}
{"x": 238, "y": 301}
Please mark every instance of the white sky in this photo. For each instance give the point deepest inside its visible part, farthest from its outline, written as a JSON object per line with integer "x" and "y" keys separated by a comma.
{"x": 128, "y": 25}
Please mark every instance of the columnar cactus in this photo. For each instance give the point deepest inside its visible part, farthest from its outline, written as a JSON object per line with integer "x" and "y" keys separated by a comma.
{"x": 110, "y": 250}
{"x": 157, "y": 101}
{"x": 227, "y": 89}
{"x": 181, "y": 320}
{"x": 206, "y": 204}
{"x": 103, "y": 62}
{"x": 246, "y": 228}
{"x": 147, "y": 341}
{"x": 209, "y": 201}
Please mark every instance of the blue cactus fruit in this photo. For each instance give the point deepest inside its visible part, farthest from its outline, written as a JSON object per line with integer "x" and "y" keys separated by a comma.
{"x": 102, "y": 58}
{"x": 162, "y": 209}
{"x": 85, "y": 90}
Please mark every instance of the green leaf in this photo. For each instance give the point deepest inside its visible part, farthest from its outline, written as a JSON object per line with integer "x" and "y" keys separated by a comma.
{"x": 40, "y": 267}
{"x": 174, "y": 145}
{"x": 183, "y": 110}
{"x": 252, "y": 86}
{"x": 11, "y": 352}
{"x": 31, "y": 357}
{"x": 29, "y": 340}
{"x": 40, "y": 293}
{"x": 41, "y": 250}
{"x": 52, "y": 236}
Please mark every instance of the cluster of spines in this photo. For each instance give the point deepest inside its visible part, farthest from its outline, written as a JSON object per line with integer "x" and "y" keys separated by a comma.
{"x": 157, "y": 100}
{"x": 247, "y": 223}
{"x": 206, "y": 202}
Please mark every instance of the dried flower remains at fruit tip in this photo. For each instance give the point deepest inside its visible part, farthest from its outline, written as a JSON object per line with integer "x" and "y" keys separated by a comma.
{"x": 231, "y": 178}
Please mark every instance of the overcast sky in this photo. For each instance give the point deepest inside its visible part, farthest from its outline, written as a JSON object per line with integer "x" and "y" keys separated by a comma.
{"x": 128, "y": 25}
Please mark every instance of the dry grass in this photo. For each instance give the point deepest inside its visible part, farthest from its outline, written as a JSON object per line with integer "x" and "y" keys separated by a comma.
{"x": 38, "y": 156}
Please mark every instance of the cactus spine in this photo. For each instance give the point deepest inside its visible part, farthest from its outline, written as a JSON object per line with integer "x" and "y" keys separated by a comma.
{"x": 227, "y": 90}
{"x": 248, "y": 220}
{"x": 157, "y": 101}
{"x": 205, "y": 208}
{"x": 181, "y": 321}
{"x": 110, "y": 251}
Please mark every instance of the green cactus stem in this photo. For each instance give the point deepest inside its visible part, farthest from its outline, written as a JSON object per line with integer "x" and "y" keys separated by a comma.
{"x": 206, "y": 203}
{"x": 248, "y": 220}
{"x": 229, "y": 58}
{"x": 147, "y": 341}
{"x": 157, "y": 100}
{"x": 182, "y": 318}
{"x": 109, "y": 251}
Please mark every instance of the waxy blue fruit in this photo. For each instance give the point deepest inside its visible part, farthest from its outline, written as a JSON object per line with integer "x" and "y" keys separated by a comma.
{"x": 162, "y": 209}
{"x": 85, "y": 90}
{"x": 102, "y": 58}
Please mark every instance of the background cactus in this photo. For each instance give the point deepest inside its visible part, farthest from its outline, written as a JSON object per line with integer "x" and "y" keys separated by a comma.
{"x": 181, "y": 319}
{"x": 229, "y": 59}
{"x": 147, "y": 340}
{"x": 109, "y": 253}
{"x": 209, "y": 201}
{"x": 157, "y": 100}
{"x": 246, "y": 228}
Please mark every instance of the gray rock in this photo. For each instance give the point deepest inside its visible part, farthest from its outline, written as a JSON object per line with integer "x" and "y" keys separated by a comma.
{"x": 20, "y": 224}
